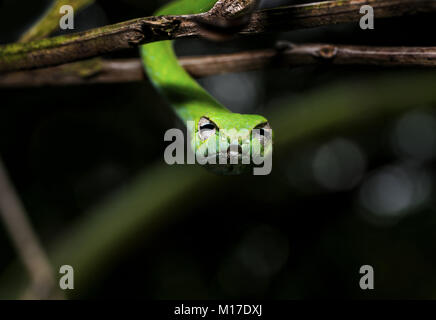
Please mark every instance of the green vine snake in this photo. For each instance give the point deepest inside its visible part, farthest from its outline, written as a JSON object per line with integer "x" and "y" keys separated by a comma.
{"x": 231, "y": 135}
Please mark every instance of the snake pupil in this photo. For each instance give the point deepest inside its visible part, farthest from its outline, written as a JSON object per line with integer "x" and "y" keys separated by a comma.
{"x": 207, "y": 126}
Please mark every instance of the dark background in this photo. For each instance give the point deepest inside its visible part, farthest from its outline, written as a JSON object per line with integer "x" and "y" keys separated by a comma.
{"x": 331, "y": 205}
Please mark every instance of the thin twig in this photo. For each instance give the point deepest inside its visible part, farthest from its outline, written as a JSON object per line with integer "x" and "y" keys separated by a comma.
{"x": 64, "y": 49}
{"x": 49, "y": 22}
{"x": 24, "y": 239}
{"x": 130, "y": 70}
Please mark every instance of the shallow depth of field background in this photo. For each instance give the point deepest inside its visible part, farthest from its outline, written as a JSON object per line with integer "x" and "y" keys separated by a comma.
{"x": 334, "y": 202}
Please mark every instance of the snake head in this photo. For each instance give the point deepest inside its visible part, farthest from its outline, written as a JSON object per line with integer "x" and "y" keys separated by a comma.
{"x": 231, "y": 145}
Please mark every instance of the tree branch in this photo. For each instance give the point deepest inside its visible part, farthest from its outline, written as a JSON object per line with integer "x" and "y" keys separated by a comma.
{"x": 130, "y": 70}
{"x": 129, "y": 34}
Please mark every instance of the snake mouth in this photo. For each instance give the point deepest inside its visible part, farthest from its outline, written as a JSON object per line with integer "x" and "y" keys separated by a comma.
{"x": 232, "y": 156}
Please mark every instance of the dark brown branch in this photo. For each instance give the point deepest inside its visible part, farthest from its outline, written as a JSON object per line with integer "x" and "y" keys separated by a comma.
{"x": 332, "y": 12}
{"x": 310, "y": 54}
{"x": 64, "y": 49}
{"x": 117, "y": 71}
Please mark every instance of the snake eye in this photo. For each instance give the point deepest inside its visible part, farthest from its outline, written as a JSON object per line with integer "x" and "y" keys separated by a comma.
{"x": 263, "y": 133}
{"x": 206, "y": 128}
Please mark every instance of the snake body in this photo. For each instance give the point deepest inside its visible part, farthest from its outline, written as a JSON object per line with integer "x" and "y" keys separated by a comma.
{"x": 230, "y": 133}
